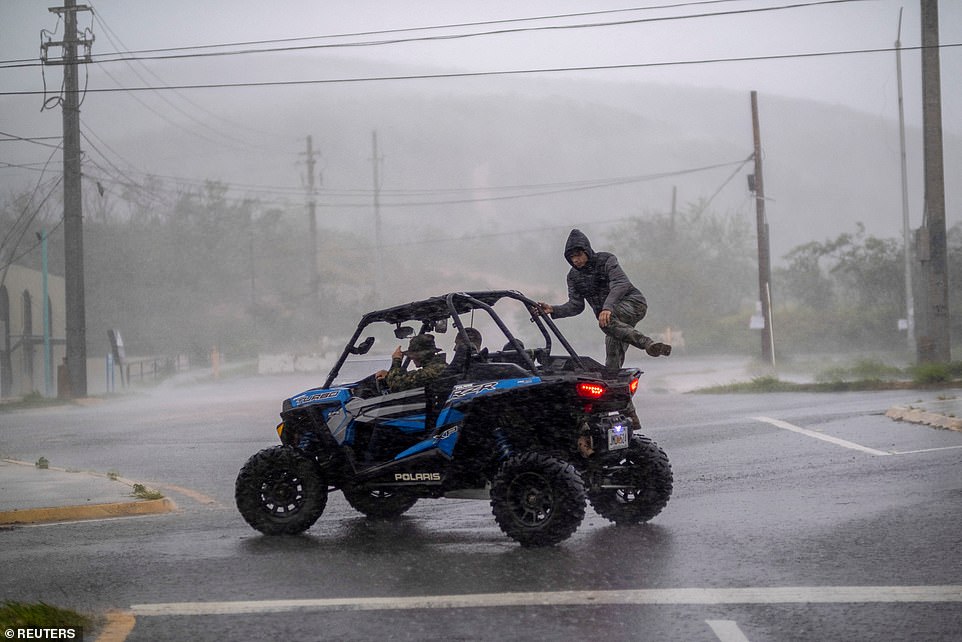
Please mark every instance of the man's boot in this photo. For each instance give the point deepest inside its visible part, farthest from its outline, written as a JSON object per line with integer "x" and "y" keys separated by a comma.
{"x": 657, "y": 349}
{"x": 649, "y": 345}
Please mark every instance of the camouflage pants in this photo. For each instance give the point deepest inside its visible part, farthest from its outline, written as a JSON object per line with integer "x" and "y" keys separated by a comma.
{"x": 621, "y": 333}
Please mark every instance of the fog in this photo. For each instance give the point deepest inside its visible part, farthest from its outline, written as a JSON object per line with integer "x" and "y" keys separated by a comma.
{"x": 480, "y": 173}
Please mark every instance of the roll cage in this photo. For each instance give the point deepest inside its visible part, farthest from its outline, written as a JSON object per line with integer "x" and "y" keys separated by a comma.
{"x": 433, "y": 313}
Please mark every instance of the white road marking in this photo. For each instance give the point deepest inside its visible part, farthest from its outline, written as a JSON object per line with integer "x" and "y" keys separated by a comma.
{"x": 778, "y": 423}
{"x": 681, "y": 596}
{"x": 924, "y": 450}
{"x": 727, "y": 630}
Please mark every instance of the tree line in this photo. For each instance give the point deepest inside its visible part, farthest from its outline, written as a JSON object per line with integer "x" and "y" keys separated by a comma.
{"x": 209, "y": 270}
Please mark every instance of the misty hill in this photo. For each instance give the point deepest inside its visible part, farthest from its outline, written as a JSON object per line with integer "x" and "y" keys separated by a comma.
{"x": 826, "y": 167}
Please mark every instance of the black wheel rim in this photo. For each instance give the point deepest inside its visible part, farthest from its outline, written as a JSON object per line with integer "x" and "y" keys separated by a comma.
{"x": 632, "y": 485}
{"x": 282, "y": 493}
{"x": 531, "y": 499}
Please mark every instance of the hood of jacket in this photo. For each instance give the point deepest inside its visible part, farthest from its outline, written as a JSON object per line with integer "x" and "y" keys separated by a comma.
{"x": 578, "y": 241}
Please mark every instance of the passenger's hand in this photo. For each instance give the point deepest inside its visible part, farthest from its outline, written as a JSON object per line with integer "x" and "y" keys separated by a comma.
{"x": 544, "y": 308}
{"x": 604, "y": 318}
{"x": 398, "y": 353}
{"x": 380, "y": 374}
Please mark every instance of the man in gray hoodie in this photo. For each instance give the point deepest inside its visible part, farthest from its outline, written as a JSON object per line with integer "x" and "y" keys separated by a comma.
{"x": 597, "y": 278}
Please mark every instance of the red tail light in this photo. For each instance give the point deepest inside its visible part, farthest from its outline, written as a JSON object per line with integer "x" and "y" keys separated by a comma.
{"x": 590, "y": 390}
{"x": 633, "y": 386}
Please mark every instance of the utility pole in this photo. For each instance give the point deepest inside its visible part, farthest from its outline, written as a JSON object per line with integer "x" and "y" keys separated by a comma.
{"x": 764, "y": 257}
{"x": 379, "y": 261}
{"x": 312, "y": 222}
{"x": 674, "y": 209}
{"x": 47, "y": 349}
{"x": 934, "y": 342}
{"x": 906, "y": 230}
{"x": 72, "y": 196}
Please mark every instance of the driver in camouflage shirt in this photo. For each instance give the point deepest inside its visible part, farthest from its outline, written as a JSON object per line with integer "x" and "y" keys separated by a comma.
{"x": 424, "y": 354}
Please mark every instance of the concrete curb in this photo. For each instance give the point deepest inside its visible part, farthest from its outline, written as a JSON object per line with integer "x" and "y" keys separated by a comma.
{"x": 92, "y": 511}
{"x": 68, "y": 480}
{"x": 919, "y": 416}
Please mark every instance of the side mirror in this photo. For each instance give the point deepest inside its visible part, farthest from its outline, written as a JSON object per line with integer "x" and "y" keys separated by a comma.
{"x": 441, "y": 326}
{"x": 364, "y": 347}
{"x": 403, "y": 332}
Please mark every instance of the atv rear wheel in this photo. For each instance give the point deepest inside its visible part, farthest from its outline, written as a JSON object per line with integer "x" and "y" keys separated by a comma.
{"x": 279, "y": 491}
{"x": 537, "y": 499}
{"x": 378, "y": 503}
{"x": 642, "y": 480}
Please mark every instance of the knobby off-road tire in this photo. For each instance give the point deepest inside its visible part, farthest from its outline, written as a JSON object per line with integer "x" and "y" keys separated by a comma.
{"x": 645, "y": 473}
{"x": 537, "y": 499}
{"x": 279, "y": 491}
{"x": 379, "y": 503}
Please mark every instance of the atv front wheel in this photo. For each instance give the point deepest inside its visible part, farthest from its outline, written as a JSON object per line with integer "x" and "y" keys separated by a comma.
{"x": 636, "y": 484}
{"x": 378, "y": 503}
{"x": 279, "y": 491}
{"x": 537, "y": 499}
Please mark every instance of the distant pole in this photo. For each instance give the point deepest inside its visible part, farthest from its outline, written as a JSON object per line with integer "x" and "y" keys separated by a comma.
{"x": 906, "y": 229}
{"x": 72, "y": 198}
{"x": 764, "y": 257}
{"x": 47, "y": 355}
{"x": 312, "y": 222}
{"x": 674, "y": 208}
{"x": 935, "y": 346}
{"x": 378, "y": 259}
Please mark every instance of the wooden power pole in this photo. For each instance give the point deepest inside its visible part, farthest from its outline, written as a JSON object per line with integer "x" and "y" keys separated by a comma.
{"x": 312, "y": 223}
{"x": 906, "y": 228}
{"x": 72, "y": 196}
{"x": 764, "y": 256}
{"x": 933, "y": 341}
{"x": 379, "y": 257}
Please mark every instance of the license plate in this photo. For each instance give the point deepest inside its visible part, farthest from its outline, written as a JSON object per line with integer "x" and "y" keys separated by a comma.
{"x": 617, "y": 437}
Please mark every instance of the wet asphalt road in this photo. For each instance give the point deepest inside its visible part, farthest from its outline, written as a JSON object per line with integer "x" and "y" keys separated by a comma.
{"x": 762, "y": 501}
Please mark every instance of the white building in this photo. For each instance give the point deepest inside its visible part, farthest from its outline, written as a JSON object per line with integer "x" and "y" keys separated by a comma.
{"x": 22, "y": 345}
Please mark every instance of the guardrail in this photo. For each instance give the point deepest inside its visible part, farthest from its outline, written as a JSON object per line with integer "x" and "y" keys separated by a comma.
{"x": 145, "y": 368}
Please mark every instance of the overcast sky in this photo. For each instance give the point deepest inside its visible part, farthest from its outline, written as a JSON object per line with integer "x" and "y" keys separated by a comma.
{"x": 796, "y": 48}
{"x": 649, "y": 35}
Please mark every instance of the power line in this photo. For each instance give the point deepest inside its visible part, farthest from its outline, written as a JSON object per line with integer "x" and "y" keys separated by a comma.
{"x": 36, "y": 140}
{"x": 114, "y": 39}
{"x": 23, "y": 215}
{"x": 34, "y": 167}
{"x": 13, "y": 260}
{"x": 496, "y": 32}
{"x": 362, "y": 197}
{"x": 513, "y": 72}
{"x": 25, "y": 219}
{"x": 155, "y": 54}
{"x": 555, "y": 188}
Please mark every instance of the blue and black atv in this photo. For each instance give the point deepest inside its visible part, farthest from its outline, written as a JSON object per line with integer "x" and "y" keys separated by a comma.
{"x": 536, "y": 433}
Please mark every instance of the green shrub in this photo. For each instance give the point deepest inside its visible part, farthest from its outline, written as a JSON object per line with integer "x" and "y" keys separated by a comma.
{"x": 929, "y": 373}
{"x": 955, "y": 369}
{"x": 862, "y": 370}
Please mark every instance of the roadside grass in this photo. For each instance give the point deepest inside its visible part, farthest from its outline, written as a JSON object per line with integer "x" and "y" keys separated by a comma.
{"x": 40, "y": 615}
{"x": 866, "y": 374}
{"x": 142, "y": 492}
{"x": 861, "y": 370}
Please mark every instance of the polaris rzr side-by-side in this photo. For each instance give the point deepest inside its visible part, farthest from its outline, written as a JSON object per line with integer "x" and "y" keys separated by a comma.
{"x": 533, "y": 427}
